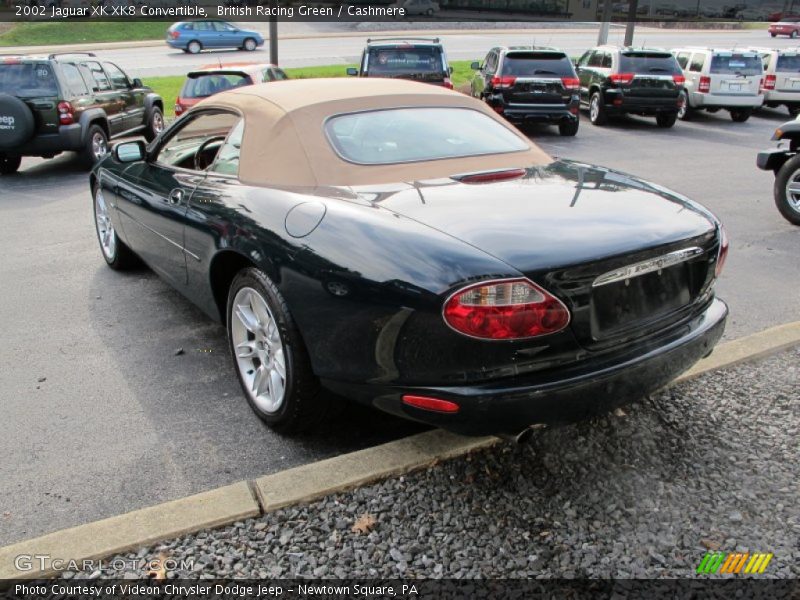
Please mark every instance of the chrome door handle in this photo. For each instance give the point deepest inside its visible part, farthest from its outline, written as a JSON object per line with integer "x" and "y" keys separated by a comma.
{"x": 176, "y": 196}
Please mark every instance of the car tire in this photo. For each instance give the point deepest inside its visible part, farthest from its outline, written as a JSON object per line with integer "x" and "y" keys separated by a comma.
{"x": 788, "y": 203}
{"x": 96, "y": 145}
{"x": 740, "y": 115}
{"x": 116, "y": 253}
{"x": 194, "y": 47}
{"x": 793, "y": 35}
{"x": 264, "y": 338}
{"x": 155, "y": 124}
{"x": 597, "y": 109}
{"x": 9, "y": 164}
{"x": 774, "y": 34}
{"x": 685, "y": 111}
{"x": 666, "y": 120}
{"x": 249, "y": 45}
{"x": 793, "y": 110}
{"x": 568, "y": 128}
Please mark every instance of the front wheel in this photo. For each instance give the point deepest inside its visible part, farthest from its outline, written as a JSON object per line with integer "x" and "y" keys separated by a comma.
{"x": 666, "y": 120}
{"x": 269, "y": 356}
{"x": 9, "y": 164}
{"x": 787, "y": 190}
{"x": 568, "y": 128}
{"x": 597, "y": 110}
{"x": 155, "y": 124}
{"x": 250, "y": 44}
{"x": 740, "y": 115}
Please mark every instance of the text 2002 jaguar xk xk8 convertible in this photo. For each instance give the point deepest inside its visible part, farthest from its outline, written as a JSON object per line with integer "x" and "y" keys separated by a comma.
{"x": 400, "y": 244}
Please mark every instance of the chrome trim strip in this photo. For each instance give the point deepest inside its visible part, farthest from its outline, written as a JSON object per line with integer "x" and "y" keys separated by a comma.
{"x": 647, "y": 266}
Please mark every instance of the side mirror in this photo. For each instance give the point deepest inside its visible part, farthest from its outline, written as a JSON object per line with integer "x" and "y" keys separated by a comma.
{"x": 128, "y": 152}
{"x": 450, "y": 70}
{"x": 476, "y": 66}
{"x": 137, "y": 83}
{"x": 352, "y": 71}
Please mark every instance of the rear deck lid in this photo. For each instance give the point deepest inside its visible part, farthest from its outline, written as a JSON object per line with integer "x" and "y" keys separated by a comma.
{"x": 537, "y": 77}
{"x": 735, "y": 73}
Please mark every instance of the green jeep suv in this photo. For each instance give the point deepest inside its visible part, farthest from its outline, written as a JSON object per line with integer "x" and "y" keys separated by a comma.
{"x": 62, "y": 102}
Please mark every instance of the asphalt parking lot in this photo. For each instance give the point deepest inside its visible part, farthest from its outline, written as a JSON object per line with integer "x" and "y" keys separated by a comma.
{"x": 103, "y": 414}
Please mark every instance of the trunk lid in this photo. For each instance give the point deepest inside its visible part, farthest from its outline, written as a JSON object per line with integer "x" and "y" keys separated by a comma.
{"x": 538, "y": 77}
{"x": 35, "y": 84}
{"x": 735, "y": 73}
{"x": 652, "y": 74}
{"x": 567, "y": 225}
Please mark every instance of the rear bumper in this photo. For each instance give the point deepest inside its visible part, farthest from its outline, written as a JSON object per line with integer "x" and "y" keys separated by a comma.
{"x": 617, "y": 103}
{"x": 698, "y": 100}
{"x": 782, "y": 97}
{"x": 512, "y": 404}
{"x": 69, "y": 137}
{"x": 531, "y": 113}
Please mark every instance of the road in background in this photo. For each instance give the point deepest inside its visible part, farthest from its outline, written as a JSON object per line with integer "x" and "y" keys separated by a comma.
{"x": 162, "y": 60}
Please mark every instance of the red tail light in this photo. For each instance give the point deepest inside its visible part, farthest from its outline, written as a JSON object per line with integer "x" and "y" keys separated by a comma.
{"x": 679, "y": 79}
{"x": 491, "y": 176}
{"x": 66, "y": 114}
{"x": 499, "y": 109}
{"x": 175, "y": 34}
{"x": 621, "y": 78}
{"x": 704, "y": 85}
{"x": 432, "y": 404}
{"x": 448, "y": 84}
{"x": 769, "y": 82}
{"x": 722, "y": 253}
{"x": 571, "y": 83}
{"x": 506, "y": 81}
{"x": 505, "y": 310}
{"x": 178, "y": 109}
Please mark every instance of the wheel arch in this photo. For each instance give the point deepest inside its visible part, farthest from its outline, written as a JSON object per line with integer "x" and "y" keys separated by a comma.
{"x": 93, "y": 116}
{"x": 224, "y": 267}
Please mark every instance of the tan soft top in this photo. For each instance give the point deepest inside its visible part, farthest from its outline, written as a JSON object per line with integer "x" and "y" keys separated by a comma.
{"x": 285, "y": 144}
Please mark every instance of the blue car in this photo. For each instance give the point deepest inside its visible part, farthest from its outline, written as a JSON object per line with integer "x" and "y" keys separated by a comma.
{"x": 194, "y": 36}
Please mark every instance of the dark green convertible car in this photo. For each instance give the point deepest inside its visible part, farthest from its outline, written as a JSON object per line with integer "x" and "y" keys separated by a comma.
{"x": 402, "y": 245}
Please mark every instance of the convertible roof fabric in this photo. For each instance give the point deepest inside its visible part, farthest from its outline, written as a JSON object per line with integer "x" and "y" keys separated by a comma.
{"x": 285, "y": 144}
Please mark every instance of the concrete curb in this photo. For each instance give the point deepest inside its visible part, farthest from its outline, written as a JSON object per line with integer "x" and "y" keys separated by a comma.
{"x": 231, "y": 503}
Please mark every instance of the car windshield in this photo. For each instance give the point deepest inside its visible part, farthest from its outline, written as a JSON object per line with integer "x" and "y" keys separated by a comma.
{"x": 27, "y": 79}
{"x": 735, "y": 64}
{"x": 392, "y": 62}
{"x": 209, "y": 84}
{"x": 401, "y": 135}
{"x": 788, "y": 63}
{"x": 655, "y": 63}
{"x": 552, "y": 64}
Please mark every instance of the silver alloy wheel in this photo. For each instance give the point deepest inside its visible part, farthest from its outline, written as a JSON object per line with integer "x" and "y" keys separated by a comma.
{"x": 684, "y": 106}
{"x": 158, "y": 123}
{"x": 105, "y": 230}
{"x": 594, "y": 107}
{"x": 99, "y": 145}
{"x": 260, "y": 355}
{"x": 194, "y": 47}
{"x": 249, "y": 45}
{"x": 793, "y": 191}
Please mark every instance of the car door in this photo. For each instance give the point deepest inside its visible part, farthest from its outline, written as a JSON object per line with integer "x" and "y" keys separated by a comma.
{"x": 160, "y": 189}
{"x": 107, "y": 98}
{"x": 133, "y": 114}
{"x": 483, "y": 77}
{"x": 227, "y": 35}
{"x": 584, "y": 74}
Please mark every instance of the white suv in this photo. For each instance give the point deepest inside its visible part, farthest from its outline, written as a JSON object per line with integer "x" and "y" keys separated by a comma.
{"x": 781, "y": 84}
{"x": 717, "y": 79}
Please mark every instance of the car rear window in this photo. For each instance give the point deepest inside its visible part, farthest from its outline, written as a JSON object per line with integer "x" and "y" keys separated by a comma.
{"x": 405, "y": 60}
{"x": 653, "y": 63}
{"x": 788, "y": 63}
{"x": 402, "y": 135}
{"x": 521, "y": 64}
{"x": 205, "y": 85}
{"x": 27, "y": 79}
{"x": 735, "y": 64}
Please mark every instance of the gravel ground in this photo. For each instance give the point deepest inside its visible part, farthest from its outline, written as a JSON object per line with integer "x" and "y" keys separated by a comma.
{"x": 710, "y": 464}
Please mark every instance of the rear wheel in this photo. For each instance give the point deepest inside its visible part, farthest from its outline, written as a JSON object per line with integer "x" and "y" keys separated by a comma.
{"x": 9, "y": 164}
{"x": 666, "y": 120}
{"x": 740, "y": 115}
{"x": 597, "y": 110}
{"x": 194, "y": 47}
{"x": 155, "y": 124}
{"x": 96, "y": 146}
{"x": 117, "y": 255}
{"x": 250, "y": 44}
{"x": 794, "y": 109}
{"x": 568, "y": 128}
{"x": 684, "y": 110}
{"x": 793, "y": 34}
{"x": 774, "y": 34}
{"x": 269, "y": 355}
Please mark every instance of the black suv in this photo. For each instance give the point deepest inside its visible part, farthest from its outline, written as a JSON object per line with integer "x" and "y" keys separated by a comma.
{"x": 639, "y": 81}
{"x": 62, "y": 102}
{"x": 528, "y": 84}
{"x": 420, "y": 59}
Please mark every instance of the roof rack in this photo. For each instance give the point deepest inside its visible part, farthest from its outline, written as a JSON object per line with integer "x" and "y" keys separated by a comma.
{"x": 57, "y": 54}
{"x": 403, "y": 39}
